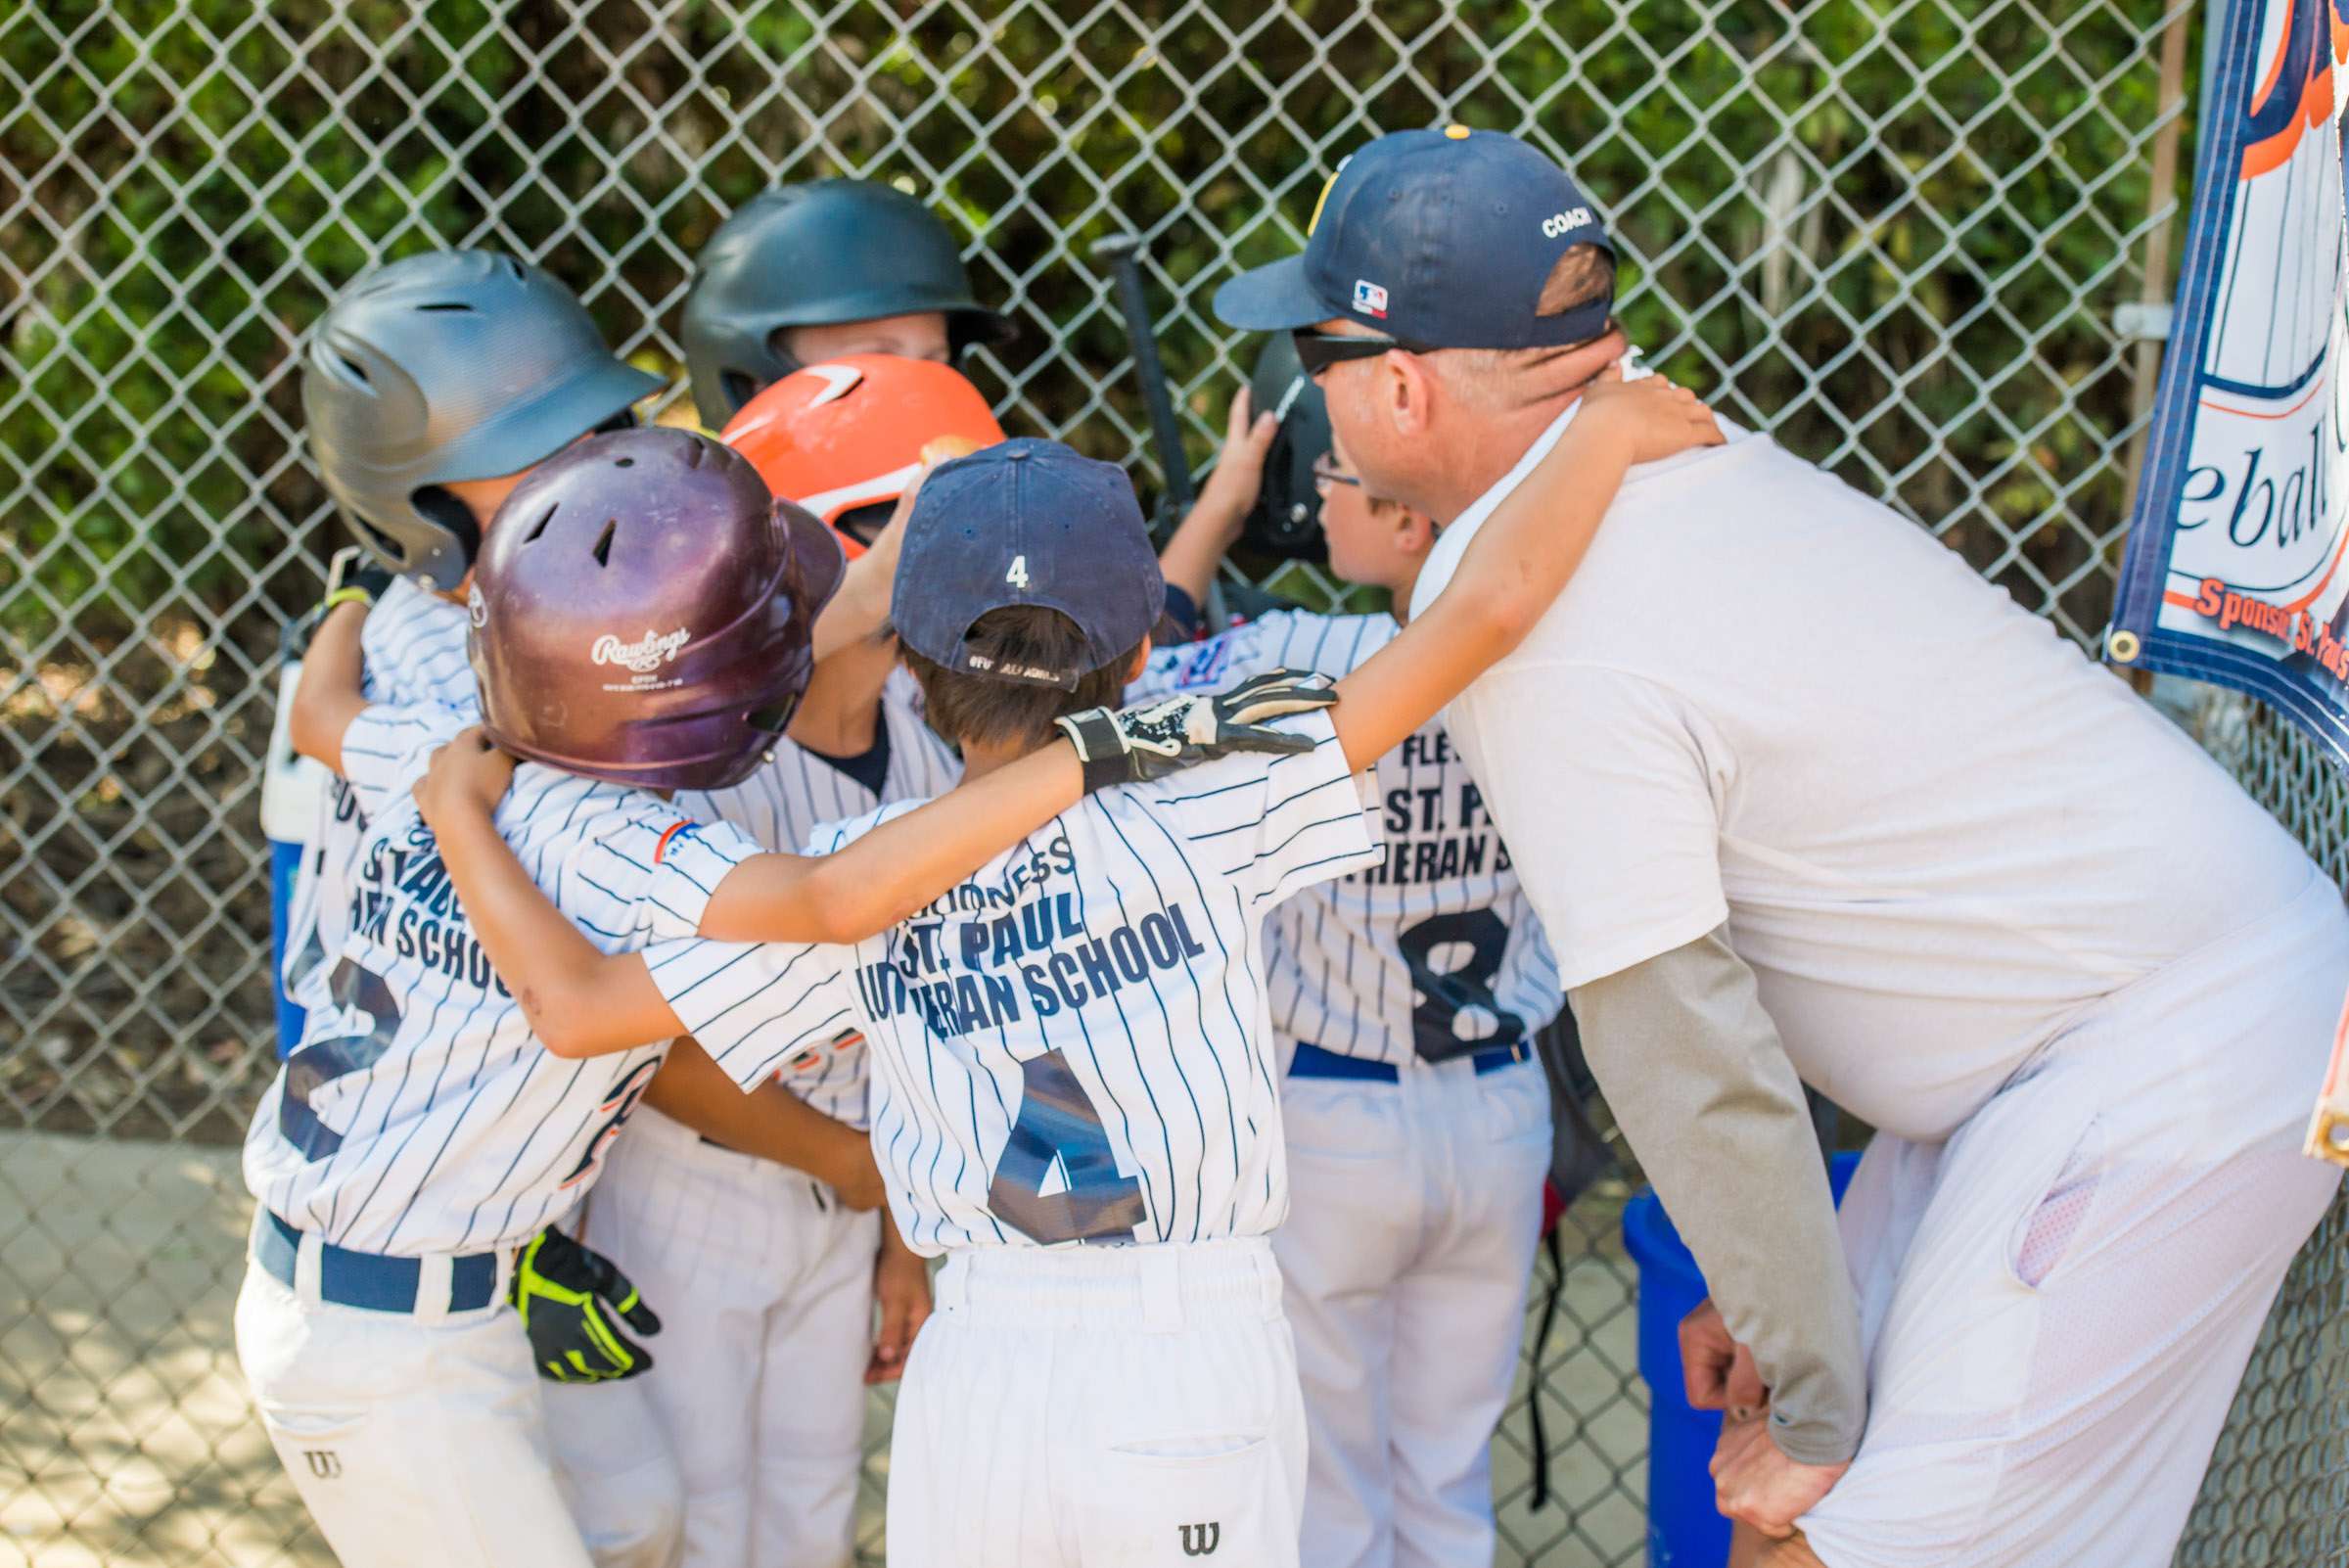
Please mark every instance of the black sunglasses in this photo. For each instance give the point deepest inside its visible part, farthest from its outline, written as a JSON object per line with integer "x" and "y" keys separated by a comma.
{"x": 1317, "y": 352}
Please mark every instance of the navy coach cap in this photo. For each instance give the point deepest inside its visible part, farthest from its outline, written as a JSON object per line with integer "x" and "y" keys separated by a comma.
{"x": 1440, "y": 238}
{"x": 1025, "y": 522}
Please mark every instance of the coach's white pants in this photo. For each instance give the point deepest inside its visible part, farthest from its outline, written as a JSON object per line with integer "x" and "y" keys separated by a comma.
{"x": 765, "y": 1287}
{"x": 1103, "y": 1407}
{"x": 2058, "y": 1301}
{"x": 1415, "y": 1209}
{"x": 410, "y": 1440}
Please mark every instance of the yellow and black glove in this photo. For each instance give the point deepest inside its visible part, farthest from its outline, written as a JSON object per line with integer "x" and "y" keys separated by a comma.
{"x": 563, "y": 1290}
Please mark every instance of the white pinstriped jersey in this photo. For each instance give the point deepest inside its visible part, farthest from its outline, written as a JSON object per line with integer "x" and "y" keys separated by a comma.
{"x": 1073, "y": 1045}
{"x": 420, "y": 1114}
{"x": 412, "y": 652}
{"x": 796, "y": 792}
{"x": 1432, "y": 953}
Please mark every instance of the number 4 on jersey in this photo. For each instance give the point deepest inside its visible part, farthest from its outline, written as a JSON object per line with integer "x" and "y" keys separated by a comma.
{"x": 1058, "y": 1126}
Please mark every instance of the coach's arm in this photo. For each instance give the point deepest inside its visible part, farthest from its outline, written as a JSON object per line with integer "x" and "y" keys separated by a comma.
{"x": 1693, "y": 1070}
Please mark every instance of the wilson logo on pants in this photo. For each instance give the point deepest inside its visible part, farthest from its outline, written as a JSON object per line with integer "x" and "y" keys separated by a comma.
{"x": 1201, "y": 1540}
{"x": 326, "y": 1465}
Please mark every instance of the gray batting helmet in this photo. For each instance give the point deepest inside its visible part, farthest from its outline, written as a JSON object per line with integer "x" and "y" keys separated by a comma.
{"x": 813, "y": 255}
{"x": 642, "y": 612}
{"x": 456, "y": 365}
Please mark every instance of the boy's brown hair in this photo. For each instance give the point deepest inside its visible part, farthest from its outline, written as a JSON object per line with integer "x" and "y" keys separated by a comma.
{"x": 965, "y": 708}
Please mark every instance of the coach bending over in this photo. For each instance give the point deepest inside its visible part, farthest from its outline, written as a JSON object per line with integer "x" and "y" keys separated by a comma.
{"x": 1801, "y": 799}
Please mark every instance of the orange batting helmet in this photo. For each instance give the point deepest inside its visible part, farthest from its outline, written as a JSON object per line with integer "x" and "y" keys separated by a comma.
{"x": 853, "y": 432}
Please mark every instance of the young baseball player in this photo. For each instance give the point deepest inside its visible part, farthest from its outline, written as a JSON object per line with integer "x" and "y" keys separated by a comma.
{"x": 431, "y": 388}
{"x": 806, "y": 273}
{"x": 802, "y": 274}
{"x": 1404, "y": 1000}
{"x": 767, "y": 1281}
{"x": 1076, "y": 1100}
{"x": 421, "y": 1134}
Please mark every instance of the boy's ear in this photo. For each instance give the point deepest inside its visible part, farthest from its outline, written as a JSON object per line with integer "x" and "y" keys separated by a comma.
{"x": 1415, "y": 533}
{"x": 1141, "y": 661}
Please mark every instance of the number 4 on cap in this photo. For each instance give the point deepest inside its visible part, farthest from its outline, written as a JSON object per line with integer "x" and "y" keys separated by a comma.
{"x": 1017, "y": 576}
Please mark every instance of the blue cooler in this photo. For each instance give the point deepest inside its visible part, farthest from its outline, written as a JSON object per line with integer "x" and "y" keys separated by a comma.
{"x": 292, "y": 787}
{"x": 1684, "y": 1528}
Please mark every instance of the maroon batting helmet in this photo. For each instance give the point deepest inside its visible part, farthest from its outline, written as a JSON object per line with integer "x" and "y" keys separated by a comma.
{"x": 643, "y": 610}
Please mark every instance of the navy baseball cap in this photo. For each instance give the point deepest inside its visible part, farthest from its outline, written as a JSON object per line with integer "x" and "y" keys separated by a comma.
{"x": 1441, "y": 238}
{"x": 1025, "y": 522}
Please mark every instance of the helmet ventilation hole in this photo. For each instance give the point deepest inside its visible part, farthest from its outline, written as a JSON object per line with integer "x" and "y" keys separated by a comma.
{"x": 358, "y": 372}
{"x": 603, "y": 541}
{"x": 447, "y": 304}
{"x": 624, "y": 462}
{"x": 531, "y": 537}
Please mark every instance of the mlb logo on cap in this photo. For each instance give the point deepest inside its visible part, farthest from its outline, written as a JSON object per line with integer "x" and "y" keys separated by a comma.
{"x": 1369, "y": 299}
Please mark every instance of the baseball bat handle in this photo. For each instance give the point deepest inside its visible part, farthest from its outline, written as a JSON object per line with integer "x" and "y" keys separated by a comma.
{"x": 1123, "y": 254}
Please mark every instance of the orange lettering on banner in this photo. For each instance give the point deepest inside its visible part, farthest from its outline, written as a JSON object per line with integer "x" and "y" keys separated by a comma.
{"x": 2291, "y": 625}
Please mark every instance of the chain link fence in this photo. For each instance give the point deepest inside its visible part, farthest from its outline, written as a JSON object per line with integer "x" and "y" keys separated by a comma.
{"x": 1900, "y": 234}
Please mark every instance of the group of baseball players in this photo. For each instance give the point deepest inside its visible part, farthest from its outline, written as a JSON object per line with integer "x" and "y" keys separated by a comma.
{"x": 766, "y": 861}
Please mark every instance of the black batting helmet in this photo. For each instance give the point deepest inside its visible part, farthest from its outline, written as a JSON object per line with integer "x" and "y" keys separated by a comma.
{"x": 815, "y": 256}
{"x": 1287, "y": 520}
{"x": 453, "y": 365}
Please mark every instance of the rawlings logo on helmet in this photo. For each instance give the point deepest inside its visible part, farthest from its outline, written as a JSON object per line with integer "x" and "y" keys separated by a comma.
{"x": 645, "y": 655}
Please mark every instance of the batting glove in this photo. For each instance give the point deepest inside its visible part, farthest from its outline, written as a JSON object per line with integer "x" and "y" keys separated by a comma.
{"x": 1153, "y": 739}
{"x": 351, "y": 576}
{"x": 562, "y": 1290}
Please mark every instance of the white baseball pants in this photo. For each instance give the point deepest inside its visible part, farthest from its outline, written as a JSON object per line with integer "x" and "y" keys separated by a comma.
{"x": 765, "y": 1287}
{"x": 2058, "y": 1301}
{"x": 412, "y": 1437}
{"x": 1415, "y": 1209}
{"x": 1103, "y": 1407}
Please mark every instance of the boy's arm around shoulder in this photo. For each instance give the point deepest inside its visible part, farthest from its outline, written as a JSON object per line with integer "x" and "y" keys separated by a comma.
{"x": 767, "y": 1123}
{"x": 579, "y": 1001}
{"x": 1519, "y": 562}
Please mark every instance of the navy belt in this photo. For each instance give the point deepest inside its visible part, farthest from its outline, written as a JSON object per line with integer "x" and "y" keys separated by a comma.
{"x": 1312, "y": 1061}
{"x": 371, "y": 1279}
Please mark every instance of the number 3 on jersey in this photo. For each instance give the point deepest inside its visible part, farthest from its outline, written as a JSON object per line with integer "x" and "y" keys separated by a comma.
{"x": 315, "y": 1065}
{"x": 1058, "y": 1126}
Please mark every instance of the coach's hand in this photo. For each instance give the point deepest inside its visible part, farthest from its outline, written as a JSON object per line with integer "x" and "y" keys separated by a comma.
{"x": 562, "y": 1289}
{"x": 1153, "y": 739}
{"x": 1720, "y": 1374}
{"x": 1756, "y": 1484}
{"x": 469, "y": 771}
